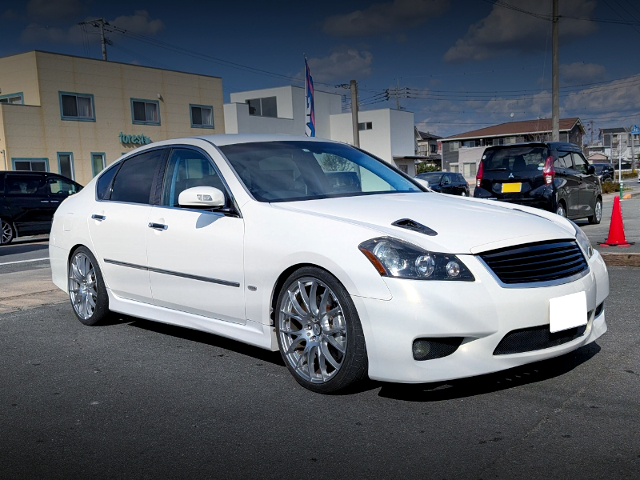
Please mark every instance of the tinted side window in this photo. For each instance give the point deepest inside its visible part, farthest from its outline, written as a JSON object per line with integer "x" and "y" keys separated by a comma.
{"x": 187, "y": 169}
{"x": 61, "y": 186}
{"x": 579, "y": 163}
{"x": 563, "y": 160}
{"x": 26, "y": 185}
{"x": 135, "y": 177}
{"x": 103, "y": 187}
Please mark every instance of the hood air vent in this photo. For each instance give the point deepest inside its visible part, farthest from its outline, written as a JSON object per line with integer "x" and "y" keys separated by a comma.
{"x": 415, "y": 226}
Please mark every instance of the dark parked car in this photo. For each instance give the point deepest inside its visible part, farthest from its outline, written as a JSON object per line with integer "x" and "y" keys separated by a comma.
{"x": 553, "y": 176}
{"x": 446, "y": 182}
{"x": 604, "y": 171}
{"x": 28, "y": 201}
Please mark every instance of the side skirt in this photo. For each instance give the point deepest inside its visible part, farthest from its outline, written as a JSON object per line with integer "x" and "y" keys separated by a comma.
{"x": 252, "y": 333}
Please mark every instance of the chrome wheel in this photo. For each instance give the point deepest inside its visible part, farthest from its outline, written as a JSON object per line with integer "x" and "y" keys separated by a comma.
{"x": 7, "y": 232}
{"x": 83, "y": 287}
{"x": 313, "y": 330}
{"x": 598, "y": 211}
{"x": 561, "y": 211}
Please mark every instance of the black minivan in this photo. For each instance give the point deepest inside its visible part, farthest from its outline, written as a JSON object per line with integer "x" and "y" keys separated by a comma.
{"x": 28, "y": 201}
{"x": 553, "y": 176}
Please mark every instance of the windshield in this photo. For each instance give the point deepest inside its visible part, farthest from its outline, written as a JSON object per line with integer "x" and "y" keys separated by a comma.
{"x": 515, "y": 159}
{"x": 298, "y": 170}
{"x": 432, "y": 178}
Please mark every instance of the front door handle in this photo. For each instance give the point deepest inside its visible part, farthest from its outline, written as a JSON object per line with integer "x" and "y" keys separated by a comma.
{"x": 158, "y": 226}
{"x": 44, "y": 201}
{"x": 100, "y": 218}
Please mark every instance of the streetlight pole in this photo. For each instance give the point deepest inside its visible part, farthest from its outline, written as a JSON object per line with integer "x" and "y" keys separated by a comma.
{"x": 555, "y": 82}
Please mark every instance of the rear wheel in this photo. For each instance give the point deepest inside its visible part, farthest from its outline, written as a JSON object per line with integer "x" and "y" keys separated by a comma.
{"x": 597, "y": 212}
{"x": 561, "y": 210}
{"x": 7, "y": 232}
{"x": 319, "y": 332}
{"x": 87, "y": 291}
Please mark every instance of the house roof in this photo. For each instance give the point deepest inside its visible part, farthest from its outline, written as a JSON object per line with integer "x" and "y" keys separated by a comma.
{"x": 518, "y": 128}
{"x": 428, "y": 136}
{"x": 614, "y": 130}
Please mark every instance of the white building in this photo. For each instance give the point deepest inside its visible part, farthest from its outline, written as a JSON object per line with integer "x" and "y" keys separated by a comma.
{"x": 387, "y": 134}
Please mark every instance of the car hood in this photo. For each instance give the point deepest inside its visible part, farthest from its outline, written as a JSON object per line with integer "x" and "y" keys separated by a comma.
{"x": 463, "y": 225}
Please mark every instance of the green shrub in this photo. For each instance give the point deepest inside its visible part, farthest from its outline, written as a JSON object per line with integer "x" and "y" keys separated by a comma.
{"x": 424, "y": 167}
{"x": 610, "y": 187}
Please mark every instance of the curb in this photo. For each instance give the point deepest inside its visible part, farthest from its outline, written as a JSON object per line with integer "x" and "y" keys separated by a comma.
{"x": 621, "y": 259}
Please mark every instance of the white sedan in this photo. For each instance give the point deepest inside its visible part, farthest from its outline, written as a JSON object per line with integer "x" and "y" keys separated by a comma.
{"x": 316, "y": 248}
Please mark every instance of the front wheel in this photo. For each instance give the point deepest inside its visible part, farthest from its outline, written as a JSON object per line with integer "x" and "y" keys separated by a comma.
{"x": 87, "y": 291}
{"x": 319, "y": 332}
{"x": 561, "y": 210}
{"x": 7, "y": 233}
{"x": 597, "y": 213}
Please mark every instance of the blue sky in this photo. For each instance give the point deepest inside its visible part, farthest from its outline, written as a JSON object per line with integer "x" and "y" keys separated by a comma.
{"x": 465, "y": 63}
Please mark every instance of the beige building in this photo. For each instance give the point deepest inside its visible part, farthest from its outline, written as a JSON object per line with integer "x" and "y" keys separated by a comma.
{"x": 74, "y": 115}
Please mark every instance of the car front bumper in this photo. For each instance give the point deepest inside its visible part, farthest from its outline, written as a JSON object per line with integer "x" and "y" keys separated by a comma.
{"x": 482, "y": 312}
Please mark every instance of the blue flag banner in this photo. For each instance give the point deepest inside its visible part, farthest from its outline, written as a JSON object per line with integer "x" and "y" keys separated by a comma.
{"x": 310, "y": 114}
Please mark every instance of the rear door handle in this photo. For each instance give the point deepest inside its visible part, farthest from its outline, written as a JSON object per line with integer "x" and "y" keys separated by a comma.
{"x": 95, "y": 216}
{"x": 158, "y": 226}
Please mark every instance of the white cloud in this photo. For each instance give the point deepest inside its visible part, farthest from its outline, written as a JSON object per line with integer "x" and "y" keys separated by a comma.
{"x": 618, "y": 96}
{"x": 139, "y": 23}
{"x": 580, "y": 72}
{"x": 48, "y": 10}
{"x": 384, "y": 17}
{"x": 343, "y": 64}
{"x": 508, "y": 31}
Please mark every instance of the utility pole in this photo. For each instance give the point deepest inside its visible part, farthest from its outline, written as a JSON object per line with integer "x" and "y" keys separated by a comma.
{"x": 555, "y": 82}
{"x": 100, "y": 23}
{"x": 354, "y": 113}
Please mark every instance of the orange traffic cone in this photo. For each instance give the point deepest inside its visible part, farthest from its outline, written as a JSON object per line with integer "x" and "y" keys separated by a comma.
{"x": 616, "y": 229}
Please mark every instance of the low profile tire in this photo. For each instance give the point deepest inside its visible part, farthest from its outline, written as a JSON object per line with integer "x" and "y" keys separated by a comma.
{"x": 87, "y": 292}
{"x": 561, "y": 210}
{"x": 597, "y": 213}
{"x": 319, "y": 332}
{"x": 7, "y": 233}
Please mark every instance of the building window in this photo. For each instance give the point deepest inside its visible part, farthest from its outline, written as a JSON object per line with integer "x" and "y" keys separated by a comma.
{"x": 434, "y": 148}
{"x": 454, "y": 146}
{"x": 98, "y": 162}
{"x": 453, "y": 168}
{"x": 263, "y": 107}
{"x": 201, "y": 116}
{"x": 65, "y": 164}
{"x": 12, "y": 98}
{"x": 145, "y": 112}
{"x": 31, "y": 164}
{"x": 77, "y": 106}
{"x": 404, "y": 168}
{"x": 469, "y": 169}
{"x": 365, "y": 126}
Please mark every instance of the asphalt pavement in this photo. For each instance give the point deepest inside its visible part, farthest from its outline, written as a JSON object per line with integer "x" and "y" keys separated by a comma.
{"x": 135, "y": 399}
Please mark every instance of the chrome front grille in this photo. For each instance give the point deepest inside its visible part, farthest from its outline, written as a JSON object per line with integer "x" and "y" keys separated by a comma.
{"x": 536, "y": 262}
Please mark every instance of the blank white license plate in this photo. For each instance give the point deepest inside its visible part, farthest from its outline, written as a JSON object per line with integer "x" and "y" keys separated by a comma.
{"x": 567, "y": 312}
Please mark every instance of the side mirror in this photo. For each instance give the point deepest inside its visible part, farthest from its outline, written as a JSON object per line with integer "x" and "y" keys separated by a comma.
{"x": 201, "y": 197}
{"x": 591, "y": 170}
{"x": 422, "y": 182}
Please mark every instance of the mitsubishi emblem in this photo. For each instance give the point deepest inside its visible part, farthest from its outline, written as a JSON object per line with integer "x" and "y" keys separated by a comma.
{"x": 511, "y": 175}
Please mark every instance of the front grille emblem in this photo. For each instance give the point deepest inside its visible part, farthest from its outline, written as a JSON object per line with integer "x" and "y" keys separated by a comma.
{"x": 511, "y": 175}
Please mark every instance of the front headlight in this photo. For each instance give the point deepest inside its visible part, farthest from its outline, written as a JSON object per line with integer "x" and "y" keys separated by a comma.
{"x": 583, "y": 241}
{"x": 396, "y": 258}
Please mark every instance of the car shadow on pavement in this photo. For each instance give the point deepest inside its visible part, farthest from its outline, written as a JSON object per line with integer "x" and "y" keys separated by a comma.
{"x": 493, "y": 382}
{"x": 203, "y": 337}
{"x": 26, "y": 247}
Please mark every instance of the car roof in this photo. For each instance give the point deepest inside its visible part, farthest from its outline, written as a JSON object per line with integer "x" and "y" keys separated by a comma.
{"x": 565, "y": 146}
{"x": 222, "y": 140}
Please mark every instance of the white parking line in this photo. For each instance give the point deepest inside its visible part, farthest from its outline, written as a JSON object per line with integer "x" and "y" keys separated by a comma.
{"x": 25, "y": 261}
